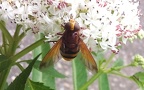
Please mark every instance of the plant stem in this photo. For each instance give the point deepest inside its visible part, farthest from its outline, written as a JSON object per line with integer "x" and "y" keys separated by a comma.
{"x": 4, "y": 76}
{"x": 28, "y": 49}
{"x": 16, "y": 39}
{"x": 131, "y": 78}
{"x": 109, "y": 60}
{"x": 74, "y": 75}
{"x": 91, "y": 80}
{"x": 12, "y": 48}
{"x": 5, "y": 32}
{"x": 98, "y": 74}
{"x": 119, "y": 74}
{"x": 4, "y": 51}
{"x": 122, "y": 67}
{"x": 18, "y": 28}
{"x": 137, "y": 82}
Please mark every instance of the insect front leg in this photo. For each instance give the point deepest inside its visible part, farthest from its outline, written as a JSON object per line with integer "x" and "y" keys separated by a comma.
{"x": 60, "y": 33}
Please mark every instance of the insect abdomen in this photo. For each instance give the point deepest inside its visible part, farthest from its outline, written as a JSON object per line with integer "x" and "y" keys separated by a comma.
{"x": 69, "y": 53}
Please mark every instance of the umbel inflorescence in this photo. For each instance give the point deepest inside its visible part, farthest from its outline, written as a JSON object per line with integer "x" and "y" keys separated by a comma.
{"x": 105, "y": 24}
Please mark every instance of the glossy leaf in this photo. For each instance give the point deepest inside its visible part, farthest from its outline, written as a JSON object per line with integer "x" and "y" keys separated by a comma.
{"x": 19, "y": 82}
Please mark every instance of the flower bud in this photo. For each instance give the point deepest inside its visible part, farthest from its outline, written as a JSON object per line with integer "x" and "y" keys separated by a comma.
{"x": 138, "y": 60}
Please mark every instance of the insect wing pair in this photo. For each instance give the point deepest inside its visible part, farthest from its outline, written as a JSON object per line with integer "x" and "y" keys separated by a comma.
{"x": 68, "y": 42}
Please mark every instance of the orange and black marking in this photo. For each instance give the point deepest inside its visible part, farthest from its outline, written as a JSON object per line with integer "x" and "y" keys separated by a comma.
{"x": 68, "y": 46}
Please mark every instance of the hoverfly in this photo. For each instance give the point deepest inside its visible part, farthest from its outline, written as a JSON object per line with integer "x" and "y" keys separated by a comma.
{"x": 68, "y": 46}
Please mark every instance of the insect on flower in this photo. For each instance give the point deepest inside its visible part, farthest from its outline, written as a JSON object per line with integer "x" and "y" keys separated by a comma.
{"x": 68, "y": 46}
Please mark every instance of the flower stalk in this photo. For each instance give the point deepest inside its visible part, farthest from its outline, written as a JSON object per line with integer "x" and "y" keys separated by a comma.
{"x": 3, "y": 79}
{"x": 89, "y": 82}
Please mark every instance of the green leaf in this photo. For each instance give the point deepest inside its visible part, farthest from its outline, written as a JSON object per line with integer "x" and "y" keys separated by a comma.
{"x": 36, "y": 86}
{"x": 91, "y": 80}
{"x": 6, "y": 85}
{"x": 4, "y": 63}
{"x": 5, "y": 32}
{"x": 49, "y": 81}
{"x": 36, "y": 74}
{"x": 79, "y": 72}
{"x": 27, "y": 49}
{"x": 117, "y": 63}
{"x": 138, "y": 78}
{"x": 103, "y": 82}
{"x": 19, "y": 82}
{"x": 49, "y": 71}
{"x": 3, "y": 58}
{"x": 3, "y": 78}
{"x": 47, "y": 77}
{"x": 99, "y": 57}
{"x": 52, "y": 72}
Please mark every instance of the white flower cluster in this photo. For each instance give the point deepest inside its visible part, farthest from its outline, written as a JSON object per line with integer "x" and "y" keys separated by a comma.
{"x": 105, "y": 23}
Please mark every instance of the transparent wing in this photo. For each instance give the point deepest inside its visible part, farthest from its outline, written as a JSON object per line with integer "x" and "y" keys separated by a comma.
{"x": 50, "y": 57}
{"x": 88, "y": 58}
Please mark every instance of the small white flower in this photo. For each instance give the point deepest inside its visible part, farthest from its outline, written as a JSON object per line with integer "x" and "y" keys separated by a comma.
{"x": 104, "y": 23}
{"x": 6, "y": 11}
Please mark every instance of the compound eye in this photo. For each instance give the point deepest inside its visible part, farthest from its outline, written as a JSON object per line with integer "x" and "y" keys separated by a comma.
{"x": 67, "y": 26}
{"x": 76, "y": 27}
{"x": 72, "y": 25}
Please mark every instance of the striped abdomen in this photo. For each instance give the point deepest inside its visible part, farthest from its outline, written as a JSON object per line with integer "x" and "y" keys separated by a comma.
{"x": 69, "y": 52}
{"x": 70, "y": 45}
